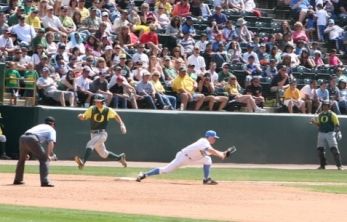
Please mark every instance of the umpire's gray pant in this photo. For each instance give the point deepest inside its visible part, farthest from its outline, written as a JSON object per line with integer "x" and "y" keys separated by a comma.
{"x": 31, "y": 144}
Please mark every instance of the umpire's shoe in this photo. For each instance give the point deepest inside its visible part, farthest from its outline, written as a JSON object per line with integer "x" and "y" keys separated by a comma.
{"x": 17, "y": 182}
{"x": 47, "y": 184}
{"x": 209, "y": 181}
{"x": 123, "y": 160}
{"x": 140, "y": 177}
{"x": 79, "y": 162}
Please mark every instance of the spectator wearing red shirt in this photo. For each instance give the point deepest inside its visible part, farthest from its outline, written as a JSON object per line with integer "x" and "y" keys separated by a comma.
{"x": 151, "y": 37}
{"x": 181, "y": 9}
{"x": 334, "y": 61}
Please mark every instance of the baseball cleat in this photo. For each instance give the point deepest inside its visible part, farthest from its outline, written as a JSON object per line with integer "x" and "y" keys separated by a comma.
{"x": 79, "y": 162}
{"x": 123, "y": 160}
{"x": 140, "y": 177}
{"x": 340, "y": 168}
{"x": 209, "y": 181}
{"x": 321, "y": 168}
{"x": 17, "y": 182}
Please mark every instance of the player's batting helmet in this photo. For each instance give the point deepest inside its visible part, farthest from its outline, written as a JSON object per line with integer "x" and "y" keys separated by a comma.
{"x": 99, "y": 97}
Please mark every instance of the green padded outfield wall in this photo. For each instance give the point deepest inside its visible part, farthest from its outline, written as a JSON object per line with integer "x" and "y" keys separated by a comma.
{"x": 158, "y": 135}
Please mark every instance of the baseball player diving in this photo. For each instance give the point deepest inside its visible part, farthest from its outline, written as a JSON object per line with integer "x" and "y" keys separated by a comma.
{"x": 329, "y": 132}
{"x": 99, "y": 115}
{"x": 195, "y": 153}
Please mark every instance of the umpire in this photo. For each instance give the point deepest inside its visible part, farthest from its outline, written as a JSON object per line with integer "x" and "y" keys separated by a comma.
{"x": 34, "y": 141}
{"x": 329, "y": 132}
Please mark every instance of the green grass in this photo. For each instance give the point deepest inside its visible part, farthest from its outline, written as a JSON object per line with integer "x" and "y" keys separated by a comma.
{"x": 336, "y": 189}
{"x": 32, "y": 214}
{"x": 220, "y": 174}
{"x": 227, "y": 174}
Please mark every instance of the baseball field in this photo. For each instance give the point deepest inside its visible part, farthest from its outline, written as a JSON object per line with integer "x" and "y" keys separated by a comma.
{"x": 103, "y": 191}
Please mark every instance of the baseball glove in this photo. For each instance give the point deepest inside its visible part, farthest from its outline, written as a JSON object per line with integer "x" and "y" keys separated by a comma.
{"x": 229, "y": 151}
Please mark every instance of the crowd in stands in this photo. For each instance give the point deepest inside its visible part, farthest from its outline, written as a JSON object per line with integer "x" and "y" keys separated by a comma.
{"x": 175, "y": 54}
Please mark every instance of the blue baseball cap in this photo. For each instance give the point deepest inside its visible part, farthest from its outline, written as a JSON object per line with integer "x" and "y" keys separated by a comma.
{"x": 211, "y": 133}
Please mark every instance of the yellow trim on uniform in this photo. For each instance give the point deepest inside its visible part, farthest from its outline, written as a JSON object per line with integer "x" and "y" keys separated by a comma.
{"x": 335, "y": 119}
{"x": 111, "y": 113}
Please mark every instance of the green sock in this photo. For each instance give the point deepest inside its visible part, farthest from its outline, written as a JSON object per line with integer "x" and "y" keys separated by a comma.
{"x": 113, "y": 156}
{"x": 87, "y": 154}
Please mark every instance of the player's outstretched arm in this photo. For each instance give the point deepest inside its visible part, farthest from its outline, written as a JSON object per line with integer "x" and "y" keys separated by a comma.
{"x": 216, "y": 153}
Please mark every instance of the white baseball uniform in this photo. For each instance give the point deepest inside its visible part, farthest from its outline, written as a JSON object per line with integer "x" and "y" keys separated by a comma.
{"x": 194, "y": 153}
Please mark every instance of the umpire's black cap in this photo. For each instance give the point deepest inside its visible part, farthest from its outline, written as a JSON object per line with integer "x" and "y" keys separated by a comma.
{"x": 49, "y": 120}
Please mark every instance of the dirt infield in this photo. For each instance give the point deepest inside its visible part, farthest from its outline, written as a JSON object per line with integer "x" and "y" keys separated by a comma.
{"x": 230, "y": 201}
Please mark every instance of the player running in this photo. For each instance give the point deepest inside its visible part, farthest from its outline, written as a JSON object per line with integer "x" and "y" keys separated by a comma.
{"x": 329, "y": 132}
{"x": 99, "y": 115}
{"x": 197, "y": 152}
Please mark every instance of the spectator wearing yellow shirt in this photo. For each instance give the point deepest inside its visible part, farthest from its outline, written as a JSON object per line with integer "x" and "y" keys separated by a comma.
{"x": 292, "y": 98}
{"x": 165, "y": 101}
{"x": 185, "y": 87}
{"x": 167, "y": 6}
{"x": 33, "y": 19}
{"x": 84, "y": 11}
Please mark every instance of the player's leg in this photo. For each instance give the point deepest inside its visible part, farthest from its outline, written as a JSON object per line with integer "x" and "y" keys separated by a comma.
{"x": 23, "y": 152}
{"x": 100, "y": 148}
{"x": 321, "y": 150}
{"x": 207, "y": 163}
{"x": 332, "y": 142}
{"x": 179, "y": 160}
{"x": 88, "y": 151}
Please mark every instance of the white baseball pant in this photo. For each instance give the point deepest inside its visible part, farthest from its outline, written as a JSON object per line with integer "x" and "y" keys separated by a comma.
{"x": 182, "y": 159}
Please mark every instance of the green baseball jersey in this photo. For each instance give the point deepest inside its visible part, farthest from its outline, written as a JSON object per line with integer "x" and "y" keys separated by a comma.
{"x": 30, "y": 78}
{"x": 99, "y": 118}
{"x": 11, "y": 78}
{"x": 327, "y": 121}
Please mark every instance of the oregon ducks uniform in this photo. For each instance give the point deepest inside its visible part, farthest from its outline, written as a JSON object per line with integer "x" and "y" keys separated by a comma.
{"x": 98, "y": 124}
{"x": 99, "y": 118}
{"x": 327, "y": 124}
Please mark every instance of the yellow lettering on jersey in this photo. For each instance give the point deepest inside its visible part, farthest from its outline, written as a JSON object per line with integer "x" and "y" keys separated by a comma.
{"x": 98, "y": 118}
{"x": 323, "y": 119}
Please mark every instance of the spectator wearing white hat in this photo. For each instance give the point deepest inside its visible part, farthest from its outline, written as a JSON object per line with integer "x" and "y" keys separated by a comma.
{"x": 242, "y": 32}
{"x": 52, "y": 23}
{"x": 318, "y": 59}
{"x": 105, "y": 17}
{"x": 335, "y": 34}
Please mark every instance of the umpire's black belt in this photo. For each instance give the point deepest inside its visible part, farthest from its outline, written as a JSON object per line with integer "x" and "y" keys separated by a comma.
{"x": 98, "y": 131}
{"x": 32, "y": 134}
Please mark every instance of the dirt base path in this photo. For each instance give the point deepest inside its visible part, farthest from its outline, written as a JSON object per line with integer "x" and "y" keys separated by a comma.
{"x": 230, "y": 201}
